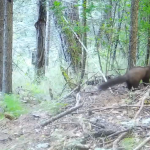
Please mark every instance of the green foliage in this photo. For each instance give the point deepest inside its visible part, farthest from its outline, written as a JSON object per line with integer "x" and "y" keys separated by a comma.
{"x": 91, "y": 7}
{"x": 78, "y": 28}
{"x": 101, "y": 149}
{"x": 12, "y": 105}
{"x": 128, "y": 143}
{"x": 98, "y": 18}
{"x": 144, "y": 9}
{"x": 34, "y": 88}
{"x": 67, "y": 78}
{"x": 57, "y": 8}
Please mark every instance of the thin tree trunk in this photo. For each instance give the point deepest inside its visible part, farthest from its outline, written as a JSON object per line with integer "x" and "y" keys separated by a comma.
{"x": 7, "y": 49}
{"x": 117, "y": 39}
{"x": 47, "y": 35}
{"x": 148, "y": 45}
{"x": 84, "y": 40}
{"x": 97, "y": 44}
{"x": 1, "y": 40}
{"x": 133, "y": 33}
{"x": 41, "y": 32}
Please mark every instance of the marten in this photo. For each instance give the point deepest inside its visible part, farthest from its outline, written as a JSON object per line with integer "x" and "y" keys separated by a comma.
{"x": 132, "y": 78}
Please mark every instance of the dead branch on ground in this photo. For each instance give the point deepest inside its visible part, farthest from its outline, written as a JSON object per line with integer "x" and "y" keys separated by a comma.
{"x": 77, "y": 106}
{"x": 119, "y": 132}
{"x": 115, "y": 143}
{"x": 61, "y": 115}
{"x": 117, "y": 107}
{"x": 143, "y": 143}
{"x": 146, "y": 95}
{"x": 127, "y": 130}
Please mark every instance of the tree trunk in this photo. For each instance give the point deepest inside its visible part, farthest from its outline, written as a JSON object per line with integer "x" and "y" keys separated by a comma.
{"x": 70, "y": 46}
{"x": 47, "y": 35}
{"x": 41, "y": 32}
{"x": 120, "y": 17}
{"x": 133, "y": 33}
{"x": 1, "y": 40}
{"x": 7, "y": 49}
{"x": 148, "y": 45}
{"x": 84, "y": 37}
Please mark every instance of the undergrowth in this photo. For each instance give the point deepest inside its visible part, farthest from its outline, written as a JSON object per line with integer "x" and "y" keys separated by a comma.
{"x": 12, "y": 106}
{"x": 34, "y": 88}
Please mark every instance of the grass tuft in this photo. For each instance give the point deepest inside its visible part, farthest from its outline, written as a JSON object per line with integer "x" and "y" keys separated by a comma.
{"x": 12, "y": 105}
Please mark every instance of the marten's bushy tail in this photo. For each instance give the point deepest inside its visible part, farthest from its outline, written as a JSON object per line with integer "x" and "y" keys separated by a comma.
{"x": 112, "y": 82}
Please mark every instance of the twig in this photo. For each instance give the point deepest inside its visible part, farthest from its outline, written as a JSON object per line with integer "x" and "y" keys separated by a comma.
{"x": 116, "y": 107}
{"x": 142, "y": 103}
{"x": 115, "y": 143}
{"x": 62, "y": 98}
{"x": 78, "y": 99}
{"x": 117, "y": 133}
{"x": 63, "y": 89}
{"x": 76, "y": 36}
{"x": 142, "y": 144}
{"x": 127, "y": 130}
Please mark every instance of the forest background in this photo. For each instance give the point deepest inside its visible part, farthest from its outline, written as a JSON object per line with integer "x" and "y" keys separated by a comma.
{"x": 81, "y": 38}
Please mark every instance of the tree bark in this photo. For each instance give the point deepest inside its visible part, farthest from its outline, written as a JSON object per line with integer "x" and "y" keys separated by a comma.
{"x": 133, "y": 33}
{"x": 84, "y": 38}
{"x": 41, "y": 32}
{"x": 1, "y": 40}
{"x": 70, "y": 47}
{"x": 120, "y": 17}
{"x": 7, "y": 49}
{"x": 47, "y": 45}
{"x": 148, "y": 45}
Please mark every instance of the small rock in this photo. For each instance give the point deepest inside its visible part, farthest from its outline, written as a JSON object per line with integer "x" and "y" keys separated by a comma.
{"x": 4, "y": 137}
{"x": 43, "y": 145}
{"x": 37, "y": 115}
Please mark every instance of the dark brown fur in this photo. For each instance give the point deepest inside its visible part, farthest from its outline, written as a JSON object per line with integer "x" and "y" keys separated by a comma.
{"x": 132, "y": 78}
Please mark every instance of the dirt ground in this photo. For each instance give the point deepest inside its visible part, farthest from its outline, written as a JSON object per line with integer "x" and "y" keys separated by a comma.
{"x": 111, "y": 110}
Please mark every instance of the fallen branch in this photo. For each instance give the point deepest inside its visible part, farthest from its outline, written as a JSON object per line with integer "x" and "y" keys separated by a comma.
{"x": 142, "y": 144}
{"x": 77, "y": 106}
{"x": 146, "y": 95}
{"x": 119, "y": 132}
{"x": 116, "y": 107}
{"x": 61, "y": 115}
{"x": 115, "y": 143}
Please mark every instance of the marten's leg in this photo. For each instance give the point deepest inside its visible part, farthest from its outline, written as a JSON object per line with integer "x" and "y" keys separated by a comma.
{"x": 135, "y": 85}
{"x": 145, "y": 81}
{"x": 129, "y": 85}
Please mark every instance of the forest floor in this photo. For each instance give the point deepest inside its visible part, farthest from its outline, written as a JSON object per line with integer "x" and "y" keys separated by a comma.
{"x": 104, "y": 121}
